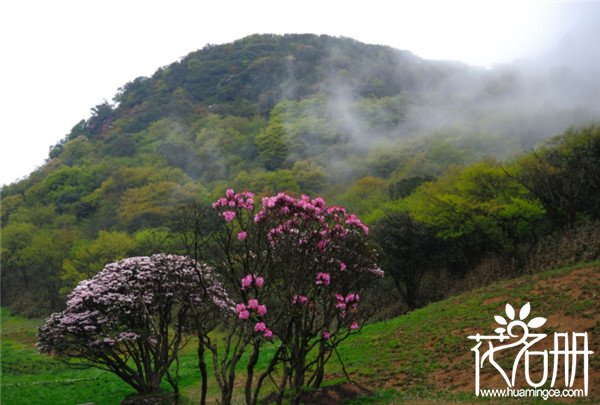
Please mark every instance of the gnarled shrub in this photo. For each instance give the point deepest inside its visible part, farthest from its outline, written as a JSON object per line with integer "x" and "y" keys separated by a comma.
{"x": 130, "y": 319}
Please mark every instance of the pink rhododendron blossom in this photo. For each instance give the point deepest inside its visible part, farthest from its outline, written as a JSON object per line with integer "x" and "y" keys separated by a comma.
{"x": 250, "y": 279}
{"x": 229, "y": 215}
{"x": 322, "y": 245}
{"x": 261, "y": 310}
{"x": 253, "y": 303}
{"x": 354, "y": 325}
{"x": 260, "y": 327}
{"x": 268, "y": 334}
{"x": 240, "y": 307}
{"x": 259, "y": 281}
{"x": 326, "y": 335}
{"x": 341, "y": 303}
{"x": 352, "y": 297}
{"x": 299, "y": 299}
{"x": 244, "y": 314}
{"x": 343, "y": 266}
{"x": 247, "y": 281}
{"x": 323, "y": 279}
{"x": 242, "y": 235}
{"x": 244, "y": 200}
{"x": 352, "y": 220}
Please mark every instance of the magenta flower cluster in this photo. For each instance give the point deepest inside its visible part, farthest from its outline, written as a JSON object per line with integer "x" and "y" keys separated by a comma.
{"x": 347, "y": 303}
{"x": 323, "y": 279}
{"x": 250, "y": 279}
{"x": 299, "y": 299}
{"x": 244, "y": 200}
{"x": 296, "y": 215}
{"x": 260, "y": 327}
{"x": 316, "y": 230}
{"x": 233, "y": 201}
{"x": 244, "y": 311}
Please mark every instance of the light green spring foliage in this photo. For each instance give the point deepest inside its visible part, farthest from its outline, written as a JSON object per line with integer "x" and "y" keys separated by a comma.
{"x": 483, "y": 198}
{"x": 88, "y": 257}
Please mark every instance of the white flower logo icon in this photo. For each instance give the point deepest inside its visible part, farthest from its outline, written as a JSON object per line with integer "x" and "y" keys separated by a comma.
{"x": 523, "y": 314}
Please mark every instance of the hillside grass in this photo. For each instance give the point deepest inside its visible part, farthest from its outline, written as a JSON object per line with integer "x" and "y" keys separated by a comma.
{"x": 421, "y": 356}
{"x": 409, "y": 356}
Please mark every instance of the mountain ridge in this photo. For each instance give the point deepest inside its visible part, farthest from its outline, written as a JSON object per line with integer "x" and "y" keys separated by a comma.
{"x": 310, "y": 114}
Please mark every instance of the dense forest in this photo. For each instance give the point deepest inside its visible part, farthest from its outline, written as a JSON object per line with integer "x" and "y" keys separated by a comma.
{"x": 472, "y": 164}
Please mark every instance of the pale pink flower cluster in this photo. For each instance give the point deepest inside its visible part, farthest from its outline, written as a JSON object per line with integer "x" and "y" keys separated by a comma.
{"x": 250, "y": 279}
{"x": 242, "y": 235}
{"x": 376, "y": 271}
{"x": 127, "y": 336}
{"x": 105, "y": 309}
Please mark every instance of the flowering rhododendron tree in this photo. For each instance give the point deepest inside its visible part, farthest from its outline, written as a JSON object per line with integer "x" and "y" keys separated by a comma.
{"x": 297, "y": 270}
{"x": 131, "y": 318}
{"x": 240, "y": 254}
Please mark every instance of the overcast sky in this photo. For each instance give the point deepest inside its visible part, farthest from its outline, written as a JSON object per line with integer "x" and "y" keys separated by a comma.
{"x": 59, "y": 58}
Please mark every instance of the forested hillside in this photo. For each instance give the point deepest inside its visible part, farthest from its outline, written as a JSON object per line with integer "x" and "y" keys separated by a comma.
{"x": 427, "y": 152}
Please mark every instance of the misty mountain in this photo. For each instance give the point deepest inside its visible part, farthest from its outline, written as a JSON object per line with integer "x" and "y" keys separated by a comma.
{"x": 335, "y": 102}
{"x": 362, "y": 125}
{"x": 339, "y": 107}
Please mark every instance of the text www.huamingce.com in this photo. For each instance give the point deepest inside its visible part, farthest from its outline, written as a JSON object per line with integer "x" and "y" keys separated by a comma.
{"x": 532, "y": 393}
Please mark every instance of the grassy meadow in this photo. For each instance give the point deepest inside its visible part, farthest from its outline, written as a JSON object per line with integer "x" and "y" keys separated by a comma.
{"x": 420, "y": 356}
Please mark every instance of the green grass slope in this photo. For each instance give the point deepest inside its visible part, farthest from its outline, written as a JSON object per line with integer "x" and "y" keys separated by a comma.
{"x": 426, "y": 354}
{"x": 421, "y": 356}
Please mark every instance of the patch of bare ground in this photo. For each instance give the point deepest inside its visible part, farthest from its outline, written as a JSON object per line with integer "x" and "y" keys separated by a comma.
{"x": 573, "y": 283}
{"x": 493, "y": 300}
